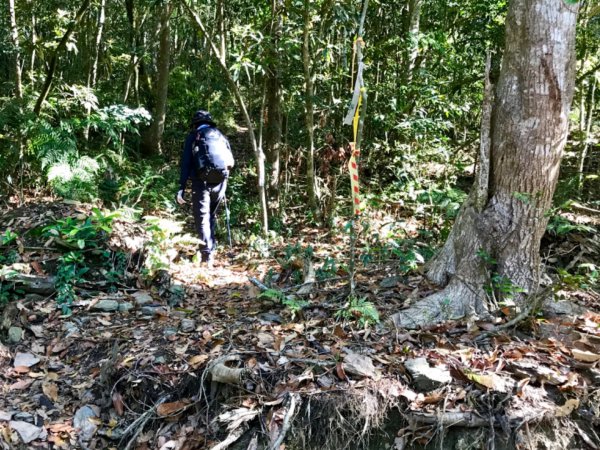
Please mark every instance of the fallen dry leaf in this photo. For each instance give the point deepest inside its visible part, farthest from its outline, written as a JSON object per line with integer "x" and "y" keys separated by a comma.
{"x": 51, "y": 390}
{"x": 197, "y": 360}
{"x": 566, "y": 409}
{"x": 20, "y": 385}
{"x": 117, "y": 400}
{"x": 170, "y": 409}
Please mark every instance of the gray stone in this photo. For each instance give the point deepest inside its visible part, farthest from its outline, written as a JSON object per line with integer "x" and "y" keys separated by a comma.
{"x": 27, "y": 431}
{"x": 270, "y": 317}
{"x": 169, "y": 331}
{"x": 5, "y": 416}
{"x": 70, "y": 328}
{"x": 84, "y": 422}
{"x": 26, "y": 360}
{"x": 153, "y": 310}
{"x": 15, "y": 335}
{"x": 425, "y": 377}
{"x": 188, "y": 325}
{"x": 359, "y": 365}
{"x": 106, "y": 306}
{"x": 125, "y": 306}
{"x": 142, "y": 298}
{"x": 390, "y": 282}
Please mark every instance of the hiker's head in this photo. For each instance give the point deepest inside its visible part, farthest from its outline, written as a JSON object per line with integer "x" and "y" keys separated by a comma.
{"x": 201, "y": 116}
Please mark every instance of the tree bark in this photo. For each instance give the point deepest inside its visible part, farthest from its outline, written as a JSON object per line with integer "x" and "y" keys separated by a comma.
{"x": 54, "y": 59}
{"x": 528, "y": 132}
{"x": 93, "y": 74}
{"x": 309, "y": 110}
{"x": 414, "y": 11}
{"x": 14, "y": 37}
{"x": 274, "y": 116}
{"x": 153, "y": 138}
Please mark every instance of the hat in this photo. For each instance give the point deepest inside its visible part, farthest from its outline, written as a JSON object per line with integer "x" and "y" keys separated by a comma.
{"x": 202, "y": 116}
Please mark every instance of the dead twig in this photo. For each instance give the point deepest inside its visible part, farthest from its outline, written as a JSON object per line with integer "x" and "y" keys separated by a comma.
{"x": 534, "y": 301}
{"x": 287, "y": 421}
{"x": 137, "y": 426}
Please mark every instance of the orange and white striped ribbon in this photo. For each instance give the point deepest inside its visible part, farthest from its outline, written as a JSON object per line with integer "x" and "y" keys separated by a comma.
{"x": 352, "y": 163}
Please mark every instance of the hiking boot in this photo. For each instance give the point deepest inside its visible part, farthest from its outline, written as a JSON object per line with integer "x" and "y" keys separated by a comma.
{"x": 208, "y": 259}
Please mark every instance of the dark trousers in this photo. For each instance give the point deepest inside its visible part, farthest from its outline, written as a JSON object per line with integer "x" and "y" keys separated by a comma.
{"x": 206, "y": 199}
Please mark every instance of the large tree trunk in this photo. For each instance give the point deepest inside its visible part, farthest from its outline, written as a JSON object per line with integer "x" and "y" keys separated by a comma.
{"x": 152, "y": 138}
{"x": 499, "y": 243}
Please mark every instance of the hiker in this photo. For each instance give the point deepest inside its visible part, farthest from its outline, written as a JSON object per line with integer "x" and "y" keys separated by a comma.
{"x": 206, "y": 160}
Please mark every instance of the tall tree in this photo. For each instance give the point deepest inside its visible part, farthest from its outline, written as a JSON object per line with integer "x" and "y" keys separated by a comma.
{"x": 14, "y": 36}
{"x": 309, "y": 109}
{"x": 496, "y": 237}
{"x": 152, "y": 139}
{"x": 273, "y": 91}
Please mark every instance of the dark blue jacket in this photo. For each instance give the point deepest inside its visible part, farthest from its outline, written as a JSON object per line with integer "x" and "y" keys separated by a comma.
{"x": 187, "y": 160}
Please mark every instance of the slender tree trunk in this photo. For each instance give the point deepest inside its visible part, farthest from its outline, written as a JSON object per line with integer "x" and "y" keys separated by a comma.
{"x": 14, "y": 37}
{"x": 55, "y": 55}
{"x": 235, "y": 90}
{"x": 33, "y": 46}
{"x": 222, "y": 32}
{"x": 501, "y": 242}
{"x": 414, "y": 11}
{"x": 587, "y": 134}
{"x": 93, "y": 74}
{"x": 152, "y": 142}
{"x": 309, "y": 110}
{"x": 274, "y": 116}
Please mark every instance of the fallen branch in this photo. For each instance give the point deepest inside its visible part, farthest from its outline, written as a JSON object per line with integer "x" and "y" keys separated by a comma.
{"x": 451, "y": 419}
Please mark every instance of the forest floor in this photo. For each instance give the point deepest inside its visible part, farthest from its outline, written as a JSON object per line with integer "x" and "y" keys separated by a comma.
{"x": 205, "y": 358}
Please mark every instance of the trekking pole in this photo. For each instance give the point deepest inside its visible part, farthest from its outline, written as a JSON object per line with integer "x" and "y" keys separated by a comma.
{"x": 227, "y": 222}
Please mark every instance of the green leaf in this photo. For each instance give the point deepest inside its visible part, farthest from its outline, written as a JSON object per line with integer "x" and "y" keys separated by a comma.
{"x": 81, "y": 243}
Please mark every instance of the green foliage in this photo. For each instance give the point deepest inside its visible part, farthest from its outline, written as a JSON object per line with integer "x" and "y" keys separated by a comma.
{"x": 81, "y": 233}
{"x": 165, "y": 243}
{"x": 7, "y": 291}
{"x": 8, "y": 237}
{"x": 294, "y": 305}
{"x": 359, "y": 309}
{"x": 560, "y": 226}
{"x": 70, "y": 272}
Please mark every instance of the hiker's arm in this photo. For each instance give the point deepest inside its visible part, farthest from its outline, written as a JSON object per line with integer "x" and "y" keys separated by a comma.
{"x": 230, "y": 160}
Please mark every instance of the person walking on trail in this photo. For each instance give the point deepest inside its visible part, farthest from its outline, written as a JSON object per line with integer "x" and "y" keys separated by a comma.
{"x": 207, "y": 161}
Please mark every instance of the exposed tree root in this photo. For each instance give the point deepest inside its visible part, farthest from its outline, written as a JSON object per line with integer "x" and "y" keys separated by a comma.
{"x": 456, "y": 301}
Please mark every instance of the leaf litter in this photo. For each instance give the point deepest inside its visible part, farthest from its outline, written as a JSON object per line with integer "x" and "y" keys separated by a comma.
{"x": 226, "y": 364}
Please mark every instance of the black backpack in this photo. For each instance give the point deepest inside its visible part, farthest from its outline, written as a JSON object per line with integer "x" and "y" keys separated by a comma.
{"x": 212, "y": 154}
